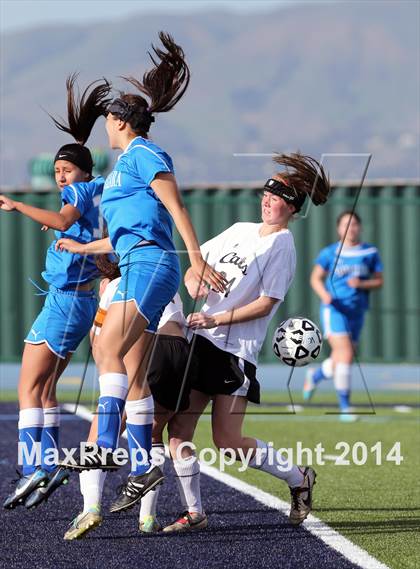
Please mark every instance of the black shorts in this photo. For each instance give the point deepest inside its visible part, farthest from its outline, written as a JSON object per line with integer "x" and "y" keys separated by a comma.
{"x": 166, "y": 372}
{"x": 222, "y": 373}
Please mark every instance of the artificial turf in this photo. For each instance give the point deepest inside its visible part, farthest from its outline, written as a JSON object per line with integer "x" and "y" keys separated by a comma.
{"x": 375, "y": 506}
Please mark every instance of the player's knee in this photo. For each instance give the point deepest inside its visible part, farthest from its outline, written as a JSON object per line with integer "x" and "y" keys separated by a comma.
{"x": 180, "y": 448}
{"x": 345, "y": 356}
{"x": 181, "y": 427}
{"x": 105, "y": 354}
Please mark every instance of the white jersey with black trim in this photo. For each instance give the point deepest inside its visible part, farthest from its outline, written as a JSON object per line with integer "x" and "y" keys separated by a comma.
{"x": 172, "y": 313}
{"x": 254, "y": 266}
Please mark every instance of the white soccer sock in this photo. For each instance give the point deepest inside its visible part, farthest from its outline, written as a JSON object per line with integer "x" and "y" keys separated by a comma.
{"x": 32, "y": 417}
{"x": 327, "y": 368}
{"x": 271, "y": 461}
{"x": 51, "y": 417}
{"x": 140, "y": 411}
{"x": 91, "y": 487}
{"x": 342, "y": 377}
{"x": 149, "y": 502}
{"x": 188, "y": 482}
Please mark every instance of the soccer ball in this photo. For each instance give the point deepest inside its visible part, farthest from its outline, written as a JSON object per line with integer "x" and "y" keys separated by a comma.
{"x": 297, "y": 341}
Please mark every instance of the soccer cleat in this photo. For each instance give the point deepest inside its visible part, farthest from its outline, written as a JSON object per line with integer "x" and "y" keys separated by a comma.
{"x": 302, "y": 498}
{"x": 56, "y": 478}
{"x": 25, "y": 485}
{"x": 83, "y": 523}
{"x": 103, "y": 459}
{"x": 309, "y": 385}
{"x": 149, "y": 524}
{"x": 188, "y": 521}
{"x": 136, "y": 488}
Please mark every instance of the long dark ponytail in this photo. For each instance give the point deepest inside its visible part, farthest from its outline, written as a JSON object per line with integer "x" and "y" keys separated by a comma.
{"x": 82, "y": 113}
{"x": 164, "y": 85}
{"x": 84, "y": 110}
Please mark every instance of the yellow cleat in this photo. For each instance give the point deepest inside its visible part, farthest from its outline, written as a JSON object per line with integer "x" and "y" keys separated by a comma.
{"x": 82, "y": 524}
{"x": 149, "y": 524}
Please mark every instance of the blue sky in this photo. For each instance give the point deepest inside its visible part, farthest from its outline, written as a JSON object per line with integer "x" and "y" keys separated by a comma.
{"x": 21, "y": 14}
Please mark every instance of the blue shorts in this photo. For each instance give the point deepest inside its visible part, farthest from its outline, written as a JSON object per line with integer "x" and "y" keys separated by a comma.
{"x": 65, "y": 319}
{"x": 150, "y": 276}
{"x": 339, "y": 322}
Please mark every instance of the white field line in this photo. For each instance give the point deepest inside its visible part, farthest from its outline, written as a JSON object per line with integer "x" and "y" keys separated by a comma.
{"x": 330, "y": 456}
{"x": 314, "y": 525}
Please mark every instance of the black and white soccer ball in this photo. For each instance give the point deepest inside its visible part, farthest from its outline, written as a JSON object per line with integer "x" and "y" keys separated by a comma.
{"x": 297, "y": 341}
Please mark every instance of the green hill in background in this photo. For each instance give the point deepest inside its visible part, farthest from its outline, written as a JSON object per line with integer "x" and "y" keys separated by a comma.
{"x": 324, "y": 78}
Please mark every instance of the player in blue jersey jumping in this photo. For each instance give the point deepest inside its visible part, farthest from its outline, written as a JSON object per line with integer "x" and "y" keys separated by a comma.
{"x": 70, "y": 302}
{"x": 344, "y": 274}
{"x": 140, "y": 202}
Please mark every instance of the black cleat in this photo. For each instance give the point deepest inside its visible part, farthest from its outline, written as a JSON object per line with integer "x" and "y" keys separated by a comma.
{"x": 91, "y": 458}
{"x": 25, "y": 485}
{"x": 302, "y": 498}
{"x": 56, "y": 478}
{"x": 136, "y": 488}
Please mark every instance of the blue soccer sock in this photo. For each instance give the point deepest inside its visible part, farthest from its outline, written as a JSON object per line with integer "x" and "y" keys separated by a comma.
{"x": 113, "y": 389}
{"x": 343, "y": 400}
{"x": 325, "y": 371}
{"x": 49, "y": 438}
{"x": 139, "y": 433}
{"x": 318, "y": 375}
{"x": 30, "y": 432}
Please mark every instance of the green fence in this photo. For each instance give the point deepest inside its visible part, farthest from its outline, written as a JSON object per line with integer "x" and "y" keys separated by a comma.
{"x": 391, "y": 220}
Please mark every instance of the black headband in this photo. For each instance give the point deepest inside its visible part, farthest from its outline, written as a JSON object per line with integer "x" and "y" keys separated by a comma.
{"x": 290, "y": 195}
{"x": 78, "y": 155}
{"x": 127, "y": 112}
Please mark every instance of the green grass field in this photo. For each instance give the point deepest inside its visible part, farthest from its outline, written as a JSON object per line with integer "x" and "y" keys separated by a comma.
{"x": 375, "y": 506}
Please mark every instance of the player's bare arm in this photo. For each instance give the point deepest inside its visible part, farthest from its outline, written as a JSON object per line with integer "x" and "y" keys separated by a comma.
{"x": 165, "y": 187}
{"x": 59, "y": 220}
{"x": 93, "y": 248}
{"x": 317, "y": 279}
{"x": 375, "y": 282}
{"x": 259, "y": 308}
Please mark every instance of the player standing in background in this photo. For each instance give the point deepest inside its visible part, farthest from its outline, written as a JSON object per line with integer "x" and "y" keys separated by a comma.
{"x": 70, "y": 303}
{"x": 259, "y": 262}
{"x": 140, "y": 202}
{"x": 344, "y": 274}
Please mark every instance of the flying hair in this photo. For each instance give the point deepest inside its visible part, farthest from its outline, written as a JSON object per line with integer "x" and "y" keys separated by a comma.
{"x": 83, "y": 110}
{"x": 305, "y": 175}
{"x": 108, "y": 269}
{"x": 166, "y": 83}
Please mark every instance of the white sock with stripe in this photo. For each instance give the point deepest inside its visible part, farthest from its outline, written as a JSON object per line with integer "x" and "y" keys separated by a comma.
{"x": 277, "y": 464}
{"x": 188, "y": 482}
{"x": 149, "y": 502}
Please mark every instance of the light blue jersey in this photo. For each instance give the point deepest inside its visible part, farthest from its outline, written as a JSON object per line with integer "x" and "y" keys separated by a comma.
{"x": 132, "y": 210}
{"x": 360, "y": 261}
{"x": 64, "y": 269}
